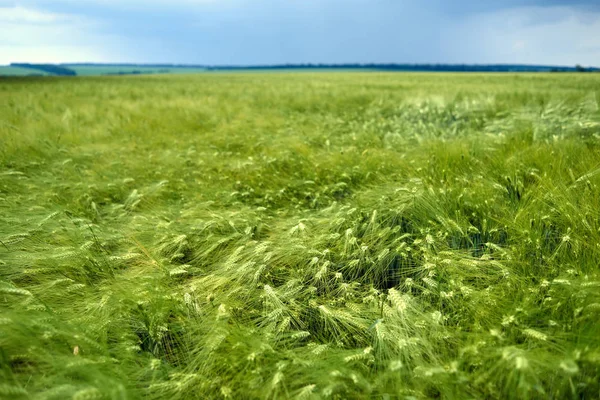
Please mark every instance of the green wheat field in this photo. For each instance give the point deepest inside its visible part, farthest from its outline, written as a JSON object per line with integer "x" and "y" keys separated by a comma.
{"x": 300, "y": 236}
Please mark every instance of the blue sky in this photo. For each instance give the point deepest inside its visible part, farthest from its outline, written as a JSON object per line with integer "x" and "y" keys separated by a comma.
{"x": 247, "y": 32}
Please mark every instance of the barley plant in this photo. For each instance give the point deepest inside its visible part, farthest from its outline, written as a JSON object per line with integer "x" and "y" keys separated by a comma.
{"x": 300, "y": 236}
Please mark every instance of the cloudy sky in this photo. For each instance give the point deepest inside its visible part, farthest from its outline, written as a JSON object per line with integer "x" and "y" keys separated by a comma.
{"x": 246, "y": 32}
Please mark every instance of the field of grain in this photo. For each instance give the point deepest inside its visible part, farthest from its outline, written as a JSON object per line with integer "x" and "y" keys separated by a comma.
{"x": 305, "y": 236}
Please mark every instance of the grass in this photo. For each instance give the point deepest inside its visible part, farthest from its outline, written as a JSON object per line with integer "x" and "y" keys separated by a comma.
{"x": 328, "y": 235}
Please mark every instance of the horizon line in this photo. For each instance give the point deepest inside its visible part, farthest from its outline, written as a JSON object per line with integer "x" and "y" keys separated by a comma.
{"x": 308, "y": 64}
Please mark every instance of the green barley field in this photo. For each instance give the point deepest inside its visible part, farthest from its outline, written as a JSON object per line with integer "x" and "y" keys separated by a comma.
{"x": 300, "y": 236}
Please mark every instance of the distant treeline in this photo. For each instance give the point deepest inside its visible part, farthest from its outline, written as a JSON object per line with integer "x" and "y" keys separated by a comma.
{"x": 49, "y": 68}
{"x": 65, "y": 70}
{"x": 130, "y": 65}
{"x": 416, "y": 67}
{"x": 371, "y": 66}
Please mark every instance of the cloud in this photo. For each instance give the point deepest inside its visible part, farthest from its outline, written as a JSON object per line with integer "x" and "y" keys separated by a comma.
{"x": 534, "y": 35}
{"x": 20, "y": 15}
{"x": 34, "y": 35}
{"x": 465, "y": 7}
{"x": 519, "y": 45}
{"x": 295, "y": 31}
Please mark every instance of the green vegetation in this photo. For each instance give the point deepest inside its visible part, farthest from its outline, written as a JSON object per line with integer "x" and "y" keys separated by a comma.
{"x": 115, "y": 70}
{"x": 145, "y": 69}
{"x": 51, "y": 69}
{"x": 88, "y": 70}
{"x": 18, "y": 71}
{"x": 351, "y": 235}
